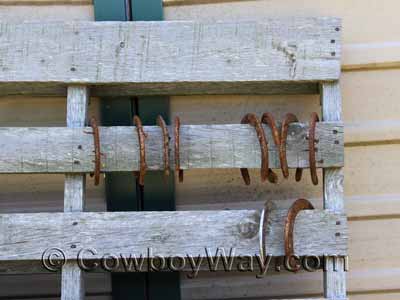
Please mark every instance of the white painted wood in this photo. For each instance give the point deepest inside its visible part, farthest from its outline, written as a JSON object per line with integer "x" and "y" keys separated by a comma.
{"x": 167, "y": 233}
{"x": 72, "y": 283}
{"x": 334, "y": 280}
{"x": 59, "y": 150}
{"x": 169, "y": 57}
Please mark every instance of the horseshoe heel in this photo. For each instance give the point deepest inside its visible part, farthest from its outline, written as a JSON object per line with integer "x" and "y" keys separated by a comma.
{"x": 142, "y": 149}
{"x": 253, "y": 120}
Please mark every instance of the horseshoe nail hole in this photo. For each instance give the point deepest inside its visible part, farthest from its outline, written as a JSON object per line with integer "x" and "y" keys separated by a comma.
{"x": 335, "y": 131}
{"x": 73, "y": 69}
{"x": 321, "y": 161}
{"x": 337, "y": 234}
{"x": 316, "y": 141}
{"x": 333, "y": 41}
{"x": 77, "y": 162}
{"x": 337, "y": 29}
{"x": 333, "y": 53}
{"x": 80, "y": 147}
{"x": 338, "y": 223}
{"x": 75, "y": 223}
{"x": 122, "y": 44}
{"x": 73, "y": 246}
{"x": 337, "y": 142}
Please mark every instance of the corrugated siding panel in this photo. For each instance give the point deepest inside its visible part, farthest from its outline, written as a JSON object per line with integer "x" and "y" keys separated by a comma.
{"x": 370, "y": 98}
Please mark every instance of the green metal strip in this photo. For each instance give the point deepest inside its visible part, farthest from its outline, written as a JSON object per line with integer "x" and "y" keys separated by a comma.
{"x": 110, "y": 10}
{"x": 147, "y": 10}
{"x": 121, "y": 194}
{"x": 159, "y": 192}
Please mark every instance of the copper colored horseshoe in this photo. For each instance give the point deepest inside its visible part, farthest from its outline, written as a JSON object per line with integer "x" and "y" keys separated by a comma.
{"x": 297, "y": 206}
{"x": 161, "y": 123}
{"x": 142, "y": 149}
{"x": 312, "y": 150}
{"x": 177, "y": 144}
{"x": 268, "y": 119}
{"x": 289, "y": 118}
{"x": 97, "y": 153}
{"x": 252, "y": 120}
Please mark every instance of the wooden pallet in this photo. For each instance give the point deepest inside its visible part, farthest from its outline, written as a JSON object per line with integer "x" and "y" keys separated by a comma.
{"x": 277, "y": 56}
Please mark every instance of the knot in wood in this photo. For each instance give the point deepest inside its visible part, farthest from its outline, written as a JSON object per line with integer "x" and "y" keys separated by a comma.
{"x": 248, "y": 230}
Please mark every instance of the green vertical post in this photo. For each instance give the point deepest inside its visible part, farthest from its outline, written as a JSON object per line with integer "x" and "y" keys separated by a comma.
{"x": 159, "y": 193}
{"x": 120, "y": 187}
{"x": 121, "y": 192}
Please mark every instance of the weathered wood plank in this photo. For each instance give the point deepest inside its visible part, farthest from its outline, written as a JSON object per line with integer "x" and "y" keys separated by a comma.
{"x": 72, "y": 283}
{"x": 167, "y": 233}
{"x": 59, "y": 150}
{"x": 334, "y": 280}
{"x": 168, "y": 57}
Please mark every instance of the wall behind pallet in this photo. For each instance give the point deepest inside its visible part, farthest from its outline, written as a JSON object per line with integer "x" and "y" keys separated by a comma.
{"x": 371, "y": 65}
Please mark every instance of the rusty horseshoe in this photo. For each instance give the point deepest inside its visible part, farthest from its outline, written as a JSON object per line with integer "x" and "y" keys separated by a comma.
{"x": 163, "y": 125}
{"x": 268, "y": 119}
{"x": 311, "y": 151}
{"x": 253, "y": 120}
{"x": 177, "y": 144}
{"x": 297, "y": 206}
{"x": 142, "y": 150}
{"x": 97, "y": 153}
{"x": 289, "y": 118}
{"x": 311, "y": 145}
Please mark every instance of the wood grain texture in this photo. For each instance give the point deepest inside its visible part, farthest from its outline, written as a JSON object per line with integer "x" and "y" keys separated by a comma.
{"x": 167, "y": 233}
{"x": 334, "y": 281}
{"x": 169, "y": 57}
{"x": 60, "y": 150}
{"x": 72, "y": 283}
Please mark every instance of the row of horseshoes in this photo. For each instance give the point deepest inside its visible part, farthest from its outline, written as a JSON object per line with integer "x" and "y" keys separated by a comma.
{"x": 266, "y": 173}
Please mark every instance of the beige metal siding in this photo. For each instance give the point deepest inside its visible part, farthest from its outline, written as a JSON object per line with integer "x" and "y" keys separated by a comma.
{"x": 370, "y": 88}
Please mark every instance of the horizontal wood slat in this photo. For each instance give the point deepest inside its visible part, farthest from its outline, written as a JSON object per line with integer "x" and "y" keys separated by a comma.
{"x": 169, "y": 57}
{"x": 61, "y": 150}
{"x": 25, "y": 237}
